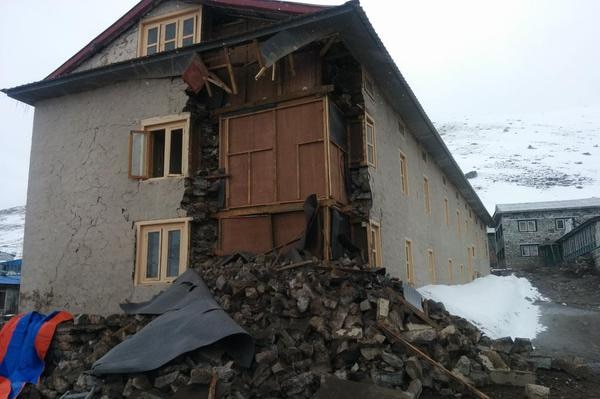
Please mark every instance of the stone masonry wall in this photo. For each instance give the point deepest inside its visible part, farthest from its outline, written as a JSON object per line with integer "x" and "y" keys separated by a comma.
{"x": 546, "y": 232}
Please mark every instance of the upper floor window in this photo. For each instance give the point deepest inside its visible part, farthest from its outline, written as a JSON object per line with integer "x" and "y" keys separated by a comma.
{"x": 527, "y": 225}
{"x": 170, "y": 32}
{"x": 426, "y": 195}
{"x": 403, "y": 173}
{"x": 160, "y": 148}
{"x": 561, "y": 223}
{"x": 370, "y": 142}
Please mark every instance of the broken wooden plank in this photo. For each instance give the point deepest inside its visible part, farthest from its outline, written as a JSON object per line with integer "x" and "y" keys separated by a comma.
{"x": 229, "y": 66}
{"x": 212, "y": 388}
{"x": 218, "y": 82}
{"x": 418, "y": 313}
{"x": 295, "y": 265}
{"x": 327, "y": 46}
{"x": 396, "y": 337}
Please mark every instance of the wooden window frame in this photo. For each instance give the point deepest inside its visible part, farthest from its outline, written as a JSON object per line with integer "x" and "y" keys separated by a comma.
{"x": 402, "y": 127}
{"x": 368, "y": 81}
{"x": 458, "y": 228}
{"x": 564, "y": 222}
{"x": 144, "y": 227}
{"x": 375, "y": 255}
{"x": 522, "y": 251}
{"x": 409, "y": 262}
{"x": 446, "y": 211}
{"x": 404, "y": 186}
{"x": 426, "y": 195}
{"x": 431, "y": 265}
{"x": 368, "y": 120}
{"x": 527, "y": 228}
{"x": 159, "y": 21}
{"x": 462, "y": 273}
{"x": 168, "y": 123}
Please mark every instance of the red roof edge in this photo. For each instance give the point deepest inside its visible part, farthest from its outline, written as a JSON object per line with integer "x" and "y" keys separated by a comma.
{"x": 144, "y": 6}
{"x": 103, "y": 38}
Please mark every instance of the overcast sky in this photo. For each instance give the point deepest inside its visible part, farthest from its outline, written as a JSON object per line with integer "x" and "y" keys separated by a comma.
{"x": 461, "y": 58}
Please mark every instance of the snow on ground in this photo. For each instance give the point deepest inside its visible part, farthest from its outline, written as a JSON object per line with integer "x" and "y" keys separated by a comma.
{"x": 499, "y": 306}
{"x": 12, "y": 222}
{"x": 539, "y": 157}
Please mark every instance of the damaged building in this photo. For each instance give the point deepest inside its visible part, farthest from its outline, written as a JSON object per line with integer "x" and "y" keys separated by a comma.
{"x": 190, "y": 129}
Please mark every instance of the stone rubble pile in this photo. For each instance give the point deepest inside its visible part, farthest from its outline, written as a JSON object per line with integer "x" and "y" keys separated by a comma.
{"x": 308, "y": 322}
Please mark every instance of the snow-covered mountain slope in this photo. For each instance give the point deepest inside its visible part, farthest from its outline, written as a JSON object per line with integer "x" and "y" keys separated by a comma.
{"x": 528, "y": 159}
{"x": 12, "y": 222}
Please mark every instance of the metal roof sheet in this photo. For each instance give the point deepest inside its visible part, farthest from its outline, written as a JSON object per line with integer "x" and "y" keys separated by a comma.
{"x": 548, "y": 205}
{"x": 10, "y": 280}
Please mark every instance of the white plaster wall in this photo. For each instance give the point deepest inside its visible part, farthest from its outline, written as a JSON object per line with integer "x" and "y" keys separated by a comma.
{"x": 403, "y": 217}
{"x": 81, "y": 205}
{"x": 125, "y": 46}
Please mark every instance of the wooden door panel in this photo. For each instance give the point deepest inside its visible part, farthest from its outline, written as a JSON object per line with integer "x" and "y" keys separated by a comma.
{"x": 251, "y": 132}
{"x": 238, "y": 181}
{"x": 312, "y": 169}
{"x": 262, "y": 177}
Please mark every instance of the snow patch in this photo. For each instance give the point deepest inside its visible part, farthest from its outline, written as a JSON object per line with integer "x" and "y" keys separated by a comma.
{"x": 499, "y": 306}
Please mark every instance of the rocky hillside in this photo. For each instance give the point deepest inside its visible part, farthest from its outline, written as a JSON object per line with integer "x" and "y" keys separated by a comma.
{"x": 538, "y": 158}
{"x": 12, "y": 221}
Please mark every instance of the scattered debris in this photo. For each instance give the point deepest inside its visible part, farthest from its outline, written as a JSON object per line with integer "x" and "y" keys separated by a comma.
{"x": 310, "y": 323}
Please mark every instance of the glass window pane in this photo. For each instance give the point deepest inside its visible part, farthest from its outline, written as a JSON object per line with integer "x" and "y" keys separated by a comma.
{"x": 176, "y": 152}
{"x": 369, "y": 134}
{"x": 187, "y": 41}
{"x": 153, "y": 254}
{"x": 370, "y": 154}
{"x": 138, "y": 145}
{"x": 152, "y": 35}
{"x": 534, "y": 250}
{"x": 158, "y": 153}
{"x": 188, "y": 27}
{"x": 151, "y": 50}
{"x": 173, "y": 253}
{"x": 169, "y": 46}
{"x": 170, "y": 31}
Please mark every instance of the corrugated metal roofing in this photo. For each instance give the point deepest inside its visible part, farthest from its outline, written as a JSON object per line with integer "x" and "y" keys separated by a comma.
{"x": 547, "y": 205}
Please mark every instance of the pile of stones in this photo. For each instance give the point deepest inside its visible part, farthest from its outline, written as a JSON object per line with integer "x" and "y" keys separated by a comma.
{"x": 309, "y": 320}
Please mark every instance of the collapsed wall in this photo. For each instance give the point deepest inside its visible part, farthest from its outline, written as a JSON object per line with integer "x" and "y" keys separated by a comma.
{"x": 221, "y": 223}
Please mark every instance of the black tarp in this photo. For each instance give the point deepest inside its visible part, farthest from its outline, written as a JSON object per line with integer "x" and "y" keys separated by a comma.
{"x": 189, "y": 319}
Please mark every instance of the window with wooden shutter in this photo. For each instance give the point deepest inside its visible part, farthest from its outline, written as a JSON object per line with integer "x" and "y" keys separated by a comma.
{"x": 370, "y": 141}
{"x": 138, "y": 154}
{"x": 160, "y": 149}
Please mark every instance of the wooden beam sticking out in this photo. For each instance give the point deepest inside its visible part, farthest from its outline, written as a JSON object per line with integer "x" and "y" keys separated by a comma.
{"x": 295, "y": 265}
{"x": 212, "y": 388}
{"x": 327, "y": 46}
{"x": 418, "y": 313}
{"x": 260, "y": 73}
{"x": 232, "y": 81}
{"x": 218, "y": 82}
{"x": 396, "y": 337}
{"x": 292, "y": 65}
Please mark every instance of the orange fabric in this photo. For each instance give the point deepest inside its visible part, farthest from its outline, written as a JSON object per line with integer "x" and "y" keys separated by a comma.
{"x": 46, "y": 332}
{"x": 4, "y": 388}
{"x": 5, "y": 336}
